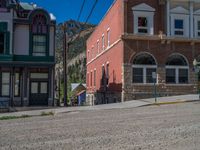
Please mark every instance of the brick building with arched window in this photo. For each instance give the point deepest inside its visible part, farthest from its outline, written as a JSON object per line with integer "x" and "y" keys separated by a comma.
{"x": 140, "y": 38}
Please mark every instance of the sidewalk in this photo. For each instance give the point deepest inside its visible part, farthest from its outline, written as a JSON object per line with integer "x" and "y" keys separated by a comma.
{"x": 129, "y": 104}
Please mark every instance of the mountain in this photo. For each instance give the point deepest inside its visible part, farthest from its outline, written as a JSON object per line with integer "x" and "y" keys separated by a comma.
{"x": 77, "y": 33}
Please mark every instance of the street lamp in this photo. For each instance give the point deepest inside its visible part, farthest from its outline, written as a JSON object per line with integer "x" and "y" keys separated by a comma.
{"x": 196, "y": 70}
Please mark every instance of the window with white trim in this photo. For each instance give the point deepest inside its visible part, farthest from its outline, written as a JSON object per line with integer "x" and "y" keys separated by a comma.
{"x": 95, "y": 77}
{"x": 98, "y": 47}
{"x": 88, "y": 55}
{"x": 108, "y": 37}
{"x": 197, "y": 26}
{"x": 103, "y": 42}
{"x": 143, "y": 67}
{"x": 39, "y": 35}
{"x": 5, "y": 84}
{"x": 177, "y": 70}
{"x": 179, "y": 22}
{"x": 143, "y": 19}
{"x": 178, "y": 27}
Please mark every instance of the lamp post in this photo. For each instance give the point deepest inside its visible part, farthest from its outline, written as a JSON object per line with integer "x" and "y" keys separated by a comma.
{"x": 154, "y": 81}
{"x": 196, "y": 69}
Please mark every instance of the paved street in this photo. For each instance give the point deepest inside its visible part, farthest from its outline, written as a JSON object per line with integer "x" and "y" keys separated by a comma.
{"x": 173, "y": 127}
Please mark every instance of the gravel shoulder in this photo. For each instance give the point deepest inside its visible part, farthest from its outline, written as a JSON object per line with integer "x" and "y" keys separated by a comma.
{"x": 173, "y": 127}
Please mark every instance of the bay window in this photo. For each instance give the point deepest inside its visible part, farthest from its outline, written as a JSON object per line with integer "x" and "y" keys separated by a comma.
{"x": 39, "y": 35}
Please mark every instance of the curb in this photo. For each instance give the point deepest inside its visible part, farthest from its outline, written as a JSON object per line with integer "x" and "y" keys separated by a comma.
{"x": 172, "y": 102}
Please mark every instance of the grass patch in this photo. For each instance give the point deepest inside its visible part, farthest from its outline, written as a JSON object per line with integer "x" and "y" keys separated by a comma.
{"x": 51, "y": 113}
{"x": 14, "y": 117}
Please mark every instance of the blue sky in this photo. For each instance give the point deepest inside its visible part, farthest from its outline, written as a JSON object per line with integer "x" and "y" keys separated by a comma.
{"x": 69, "y": 9}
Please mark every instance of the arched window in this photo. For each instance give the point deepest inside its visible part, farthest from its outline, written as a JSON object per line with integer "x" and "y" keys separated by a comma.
{"x": 177, "y": 69}
{"x": 2, "y": 3}
{"x": 39, "y": 32}
{"x": 144, "y": 65}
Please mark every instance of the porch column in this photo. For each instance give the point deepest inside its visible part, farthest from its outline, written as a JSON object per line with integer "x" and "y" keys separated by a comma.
{"x": 50, "y": 85}
{"x": 12, "y": 79}
{"x": 168, "y": 18}
{"x": 191, "y": 20}
{"x": 25, "y": 87}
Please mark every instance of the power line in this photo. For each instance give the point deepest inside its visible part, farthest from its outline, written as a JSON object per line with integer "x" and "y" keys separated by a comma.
{"x": 82, "y": 6}
{"x": 93, "y": 7}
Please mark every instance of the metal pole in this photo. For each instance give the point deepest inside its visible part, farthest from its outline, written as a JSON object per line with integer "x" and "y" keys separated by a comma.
{"x": 65, "y": 65}
{"x": 155, "y": 92}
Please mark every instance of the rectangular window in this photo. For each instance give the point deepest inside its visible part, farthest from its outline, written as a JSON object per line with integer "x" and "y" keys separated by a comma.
{"x": 107, "y": 74}
{"x": 149, "y": 77}
{"x": 108, "y": 38}
{"x": 43, "y": 87}
{"x": 170, "y": 75}
{"x": 103, "y": 42}
{"x": 183, "y": 76}
{"x": 39, "y": 45}
{"x": 91, "y": 79}
{"x": 142, "y": 25}
{"x": 94, "y": 77}
{"x": 103, "y": 75}
{"x": 17, "y": 84}
{"x": 88, "y": 55}
{"x": 39, "y": 75}
{"x": 178, "y": 27}
{"x": 2, "y": 43}
{"x": 198, "y": 28}
{"x": 98, "y": 47}
{"x": 137, "y": 75}
{"x": 5, "y": 90}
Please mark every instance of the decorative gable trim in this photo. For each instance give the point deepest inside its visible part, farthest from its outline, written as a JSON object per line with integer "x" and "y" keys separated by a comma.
{"x": 143, "y": 7}
{"x": 179, "y": 10}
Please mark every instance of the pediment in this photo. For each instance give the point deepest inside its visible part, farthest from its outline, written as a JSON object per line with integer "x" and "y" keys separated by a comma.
{"x": 143, "y": 7}
{"x": 180, "y": 10}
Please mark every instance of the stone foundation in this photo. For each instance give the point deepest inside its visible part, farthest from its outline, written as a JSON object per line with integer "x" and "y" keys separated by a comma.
{"x": 133, "y": 91}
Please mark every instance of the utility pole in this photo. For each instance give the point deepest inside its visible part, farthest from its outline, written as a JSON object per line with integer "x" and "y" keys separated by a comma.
{"x": 65, "y": 64}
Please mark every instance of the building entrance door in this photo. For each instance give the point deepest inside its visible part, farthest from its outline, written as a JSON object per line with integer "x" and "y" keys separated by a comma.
{"x": 38, "y": 93}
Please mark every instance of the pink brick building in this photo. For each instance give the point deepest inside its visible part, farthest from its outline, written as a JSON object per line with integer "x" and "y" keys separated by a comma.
{"x": 139, "y": 37}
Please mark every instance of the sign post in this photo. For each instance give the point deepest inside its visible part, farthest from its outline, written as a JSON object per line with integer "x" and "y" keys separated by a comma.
{"x": 154, "y": 76}
{"x": 196, "y": 70}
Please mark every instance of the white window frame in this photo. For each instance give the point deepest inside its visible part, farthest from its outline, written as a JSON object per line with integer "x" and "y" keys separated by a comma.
{"x": 103, "y": 42}
{"x": 98, "y": 48}
{"x": 177, "y": 73}
{"x": 88, "y": 55}
{"x": 144, "y": 10}
{"x": 180, "y": 13}
{"x": 196, "y": 30}
{"x": 150, "y": 24}
{"x": 95, "y": 77}
{"x": 92, "y": 52}
{"x": 108, "y": 37}
{"x": 144, "y": 67}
